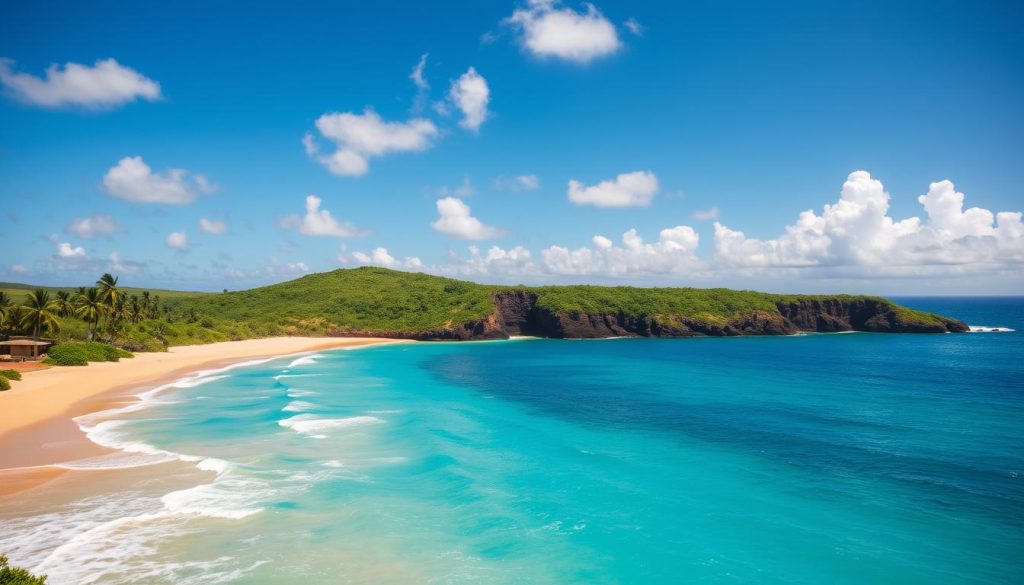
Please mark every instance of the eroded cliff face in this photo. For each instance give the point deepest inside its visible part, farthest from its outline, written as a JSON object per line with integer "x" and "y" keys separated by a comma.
{"x": 516, "y": 312}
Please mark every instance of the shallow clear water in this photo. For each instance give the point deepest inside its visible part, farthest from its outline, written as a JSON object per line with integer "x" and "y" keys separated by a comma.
{"x": 847, "y": 458}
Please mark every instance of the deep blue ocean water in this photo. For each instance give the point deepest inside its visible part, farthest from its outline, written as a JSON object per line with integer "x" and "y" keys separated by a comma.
{"x": 841, "y": 458}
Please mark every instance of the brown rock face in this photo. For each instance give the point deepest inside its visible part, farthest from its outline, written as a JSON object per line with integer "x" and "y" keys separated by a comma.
{"x": 516, "y": 313}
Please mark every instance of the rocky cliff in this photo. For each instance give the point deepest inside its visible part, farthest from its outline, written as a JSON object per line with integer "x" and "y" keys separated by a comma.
{"x": 517, "y": 312}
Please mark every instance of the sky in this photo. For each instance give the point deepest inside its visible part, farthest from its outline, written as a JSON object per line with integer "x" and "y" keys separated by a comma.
{"x": 820, "y": 147}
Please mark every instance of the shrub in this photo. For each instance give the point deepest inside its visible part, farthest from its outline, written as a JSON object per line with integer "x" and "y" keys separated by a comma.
{"x": 81, "y": 353}
{"x": 11, "y": 374}
{"x": 4, "y": 385}
{"x": 14, "y": 576}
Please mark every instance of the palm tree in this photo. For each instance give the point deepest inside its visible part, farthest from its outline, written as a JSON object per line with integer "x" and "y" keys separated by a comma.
{"x": 65, "y": 303}
{"x": 40, "y": 313}
{"x": 7, "y": 309}
{"x": 91, "y": 308}
{"x": 147, "y": 304}
{"x": 135, "y": 309}
{"x": 108, "y": 289}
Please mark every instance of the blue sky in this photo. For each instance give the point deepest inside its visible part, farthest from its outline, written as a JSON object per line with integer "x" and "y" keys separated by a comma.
{"x": 687, "y": 122}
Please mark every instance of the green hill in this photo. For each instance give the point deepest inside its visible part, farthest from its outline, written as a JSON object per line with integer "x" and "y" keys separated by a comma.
{"x": 379, "y": 302}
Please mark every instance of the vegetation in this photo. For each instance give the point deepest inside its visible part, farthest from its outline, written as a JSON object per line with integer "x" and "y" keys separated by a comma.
{"x": 11, "y": 374}
{"x": 82, "y": 352}
{"x": 14, "y": 576}
{"x": 361, "y": 300}
{"x": 5, "y": 384}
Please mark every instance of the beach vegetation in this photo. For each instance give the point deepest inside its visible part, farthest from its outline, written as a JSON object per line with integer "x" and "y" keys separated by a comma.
{"x": 14, "y": 576}
{"x": 11, "y": 374}
{"x": 82, "y": 352}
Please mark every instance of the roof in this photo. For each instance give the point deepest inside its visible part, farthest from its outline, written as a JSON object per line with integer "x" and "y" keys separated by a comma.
{"x": 25, "y": 342}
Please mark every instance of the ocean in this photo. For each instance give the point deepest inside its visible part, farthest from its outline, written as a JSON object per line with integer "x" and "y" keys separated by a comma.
{"x": 819, "y": 458}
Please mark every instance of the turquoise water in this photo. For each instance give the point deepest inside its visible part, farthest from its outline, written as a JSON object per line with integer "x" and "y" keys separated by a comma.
{"x": 846, "y": 458}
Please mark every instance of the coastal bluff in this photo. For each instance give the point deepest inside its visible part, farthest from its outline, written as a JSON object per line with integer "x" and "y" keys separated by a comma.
{"x": 517, "y": 313}
{"x": 377, "y": 302}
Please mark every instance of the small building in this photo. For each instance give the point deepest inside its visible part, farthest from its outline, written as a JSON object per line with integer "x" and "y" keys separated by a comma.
{"x": 24, "y": 348}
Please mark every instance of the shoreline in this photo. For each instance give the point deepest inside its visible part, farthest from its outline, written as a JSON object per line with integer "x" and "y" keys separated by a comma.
{"x": 37, "y": 428}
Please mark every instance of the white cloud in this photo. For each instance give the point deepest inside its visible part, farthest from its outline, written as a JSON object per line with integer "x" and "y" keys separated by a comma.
{"x": 470, "y": 94}
{"x": 857, "y": 231}
{"x": 65, "y": 250}
{"x": 417, "y": 73}
{"x": 634, "y": 27}
{"x": 133, "y": 180}
{"x": 706, "y": 214}
{"x": 464, "y": 189}
{"x": 118, "y": 265}
{"x": 496, "y": 261}
{"x": 319, "y": 222}
{"x": 547, "y": 30}
{"x": 177, "y": 241}
{"x": 626, "y": 190}
{"x": 517, "y": 183}
{"x": 674, "y": 252}
{"x": 105, "y": 84}
{"x": 380, "y": 257}
{"x": 19, "y": 269}
{"x": 92, "y": 226}
{"x": 358, "y": 137}
{"x": 210, "y": 226}
{"x": 457, "y": 221}
{"x": 422, "y": 86}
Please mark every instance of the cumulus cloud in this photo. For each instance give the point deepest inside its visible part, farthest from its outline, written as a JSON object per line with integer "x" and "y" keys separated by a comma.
{"x": 626, "y": 190}
{"x": 857, "y": 231}
{"x": 133, "y": 180}
{"x": 177, "y": 241}
{"x": 674, "y": 252}
{"x": 471, "y": 95}
{"x": 380, "y": 257}
{"x": 92, "y": 226}
{"x": 706, "y": 214}
{"x": 214, "y": 227}
{"x": 496, "y": 261}
{"x": 517, "y": 183}
{"x": 359, "y": 137}
{"x": 547, "y": 30}
{"x": 457, "y": 221}
{"x": 106, "y": 84}
{"x": 319, "y": 222}
{"x": 66, "y": 250}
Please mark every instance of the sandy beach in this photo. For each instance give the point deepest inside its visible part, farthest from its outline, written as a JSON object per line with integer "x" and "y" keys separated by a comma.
{"x": 36, "y": 426}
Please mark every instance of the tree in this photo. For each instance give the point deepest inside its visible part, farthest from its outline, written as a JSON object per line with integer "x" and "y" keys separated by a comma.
{"x": 147, "y": 304}
{"x": 7, "y": 309}
{"x": 107, "y": 284}
{"x": 14, "y": 576}
{"x": 91, "y": 308}
{"x": 40, "y": 313}
{"x": 65, "y": 303}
